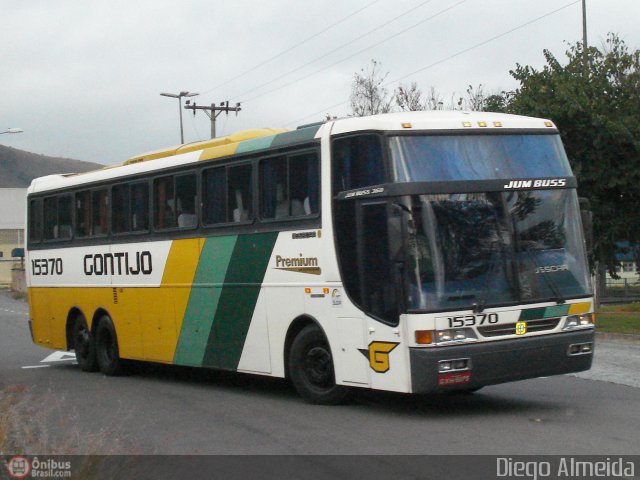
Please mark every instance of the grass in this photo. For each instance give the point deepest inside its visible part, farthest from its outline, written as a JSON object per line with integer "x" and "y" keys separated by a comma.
{"x": 37, "y": 424}
{"x": 619, "y": 319}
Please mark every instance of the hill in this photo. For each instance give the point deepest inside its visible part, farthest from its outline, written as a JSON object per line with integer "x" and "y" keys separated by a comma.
{"x": 18, "y": 168}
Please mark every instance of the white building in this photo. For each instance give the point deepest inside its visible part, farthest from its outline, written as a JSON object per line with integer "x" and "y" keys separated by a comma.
{"x": 13, "y": 211}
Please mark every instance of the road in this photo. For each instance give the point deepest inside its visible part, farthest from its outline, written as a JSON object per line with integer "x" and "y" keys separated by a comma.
{"x": 171, "y": 410}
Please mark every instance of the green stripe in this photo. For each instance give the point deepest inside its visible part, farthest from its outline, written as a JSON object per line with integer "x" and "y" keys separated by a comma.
{"x": 255, "y": 144}
{"x": 238, "y": 299}
{"x": 295, "y": 136}
{"x": 539, "y": 313}
{"x": 204, "y": 299}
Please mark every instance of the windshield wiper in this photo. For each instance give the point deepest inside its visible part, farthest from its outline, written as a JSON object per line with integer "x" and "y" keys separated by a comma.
{"x": 559, "y": 299}
{"x": 481, "y": 304}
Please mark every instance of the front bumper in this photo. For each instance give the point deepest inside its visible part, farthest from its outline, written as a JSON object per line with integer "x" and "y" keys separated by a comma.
{"x": 500, "y": 361}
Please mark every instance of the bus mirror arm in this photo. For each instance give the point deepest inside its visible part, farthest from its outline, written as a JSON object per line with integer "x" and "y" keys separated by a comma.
{"x": 586, "y": 215}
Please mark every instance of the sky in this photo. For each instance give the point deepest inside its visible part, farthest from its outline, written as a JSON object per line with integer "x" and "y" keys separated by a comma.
{"x": 83, "y": 78}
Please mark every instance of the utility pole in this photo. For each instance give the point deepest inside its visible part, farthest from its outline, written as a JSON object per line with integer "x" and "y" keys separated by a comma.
{"x": 584, "y": 31}
{"x": 212, "y": 112}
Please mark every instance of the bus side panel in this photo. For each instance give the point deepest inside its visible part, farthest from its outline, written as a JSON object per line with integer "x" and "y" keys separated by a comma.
{"x": 224, "y": 301}
{"x": 51, "y": 307}
{"x": 161, "y": 309}
{"x": 40, "y": 320}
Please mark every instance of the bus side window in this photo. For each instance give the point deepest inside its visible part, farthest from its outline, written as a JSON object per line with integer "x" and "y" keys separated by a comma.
{"x": 214, "y": 203}
{"x": 99, "y": 212}
{"x": 357, "y": 162}
{"x": 164, "y": 203}
{"x": 274, "y": 188}
{"x": 51, "y": 218}
{"x": 83, "y": 214}
{"x": 304, "y": 184}
{"x": 239, "y": 197}
{"x": 65, "y": 217}
{"x": 139, "y": 219}
{"x": 186, "y": 201}
{"x": 35, "y": 220}
{"x": 289, "y": 187}
{"x": 120, "y": 209}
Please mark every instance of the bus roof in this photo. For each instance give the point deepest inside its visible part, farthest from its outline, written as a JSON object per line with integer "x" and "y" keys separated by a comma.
{"x": 269, "y": 138}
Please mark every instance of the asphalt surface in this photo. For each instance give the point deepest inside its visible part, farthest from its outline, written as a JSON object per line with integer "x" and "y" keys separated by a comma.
{"x": 171, "y": 410}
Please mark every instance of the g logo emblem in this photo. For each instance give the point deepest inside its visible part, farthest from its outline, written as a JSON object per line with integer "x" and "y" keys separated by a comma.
{"x": 521, "y": 328}
{"x": 378, "y": 355}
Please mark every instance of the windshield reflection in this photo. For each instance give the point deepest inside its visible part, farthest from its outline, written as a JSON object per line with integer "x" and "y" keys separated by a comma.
{"x": 480, "y": 249}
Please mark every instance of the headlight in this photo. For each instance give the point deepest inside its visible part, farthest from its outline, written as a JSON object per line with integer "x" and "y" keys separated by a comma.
{"x": 437, "y": 337}
{"x": 584, "y": 320}
{"x": 455, "y": 335}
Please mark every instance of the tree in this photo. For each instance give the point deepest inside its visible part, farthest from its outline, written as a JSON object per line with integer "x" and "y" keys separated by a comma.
{"x": 368, "y": 94}
{"x": 594, "y": 99}
{"x": 411, "y": 98}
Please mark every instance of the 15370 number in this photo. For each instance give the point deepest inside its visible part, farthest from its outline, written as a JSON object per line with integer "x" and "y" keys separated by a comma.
{"x": 46, "y": 266}
{"x": 472, "y": 320}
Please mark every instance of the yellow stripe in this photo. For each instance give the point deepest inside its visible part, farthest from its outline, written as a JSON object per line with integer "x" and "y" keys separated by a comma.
{"x": 577, "y": 308}
{"x": 176, "y": 282}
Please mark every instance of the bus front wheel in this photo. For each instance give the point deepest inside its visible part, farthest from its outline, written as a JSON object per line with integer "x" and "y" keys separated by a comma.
{"x": 107, "y": 353}
{"x": 311, "y": 368}
{"x": 84, "y": 345}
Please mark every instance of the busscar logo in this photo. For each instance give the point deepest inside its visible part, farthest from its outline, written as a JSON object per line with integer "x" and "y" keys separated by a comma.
{"x": 378, "y": 355}
{"x": 298, "y": 264}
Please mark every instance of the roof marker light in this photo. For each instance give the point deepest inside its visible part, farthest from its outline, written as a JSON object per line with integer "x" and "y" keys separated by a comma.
{"x": 497, "y": 124}
{"x": 548, "y": 124}
{"x": 482, "y": 124}
{"x": 466, "y": 124}
{"x": 406, "y": 125}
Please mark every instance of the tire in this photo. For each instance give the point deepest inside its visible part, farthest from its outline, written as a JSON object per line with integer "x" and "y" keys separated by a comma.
{"x": 107, "y": 353}
{"x": 311, "y": 368}
{"x": 84, "y": 345}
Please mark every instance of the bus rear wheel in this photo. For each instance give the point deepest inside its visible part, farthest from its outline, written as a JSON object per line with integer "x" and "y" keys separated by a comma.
{"x": 84, "y": 345}
{"x": 107, "y": 353}
{"x": 311, "y": 368}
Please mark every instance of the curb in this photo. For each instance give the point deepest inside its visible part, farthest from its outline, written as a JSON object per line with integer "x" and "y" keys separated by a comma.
{"x": 624, "y": 338}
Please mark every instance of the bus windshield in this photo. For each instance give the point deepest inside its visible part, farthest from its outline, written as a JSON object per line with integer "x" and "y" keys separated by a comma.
{"x": 428, "y": 158}
{"x": 483, "y": 249}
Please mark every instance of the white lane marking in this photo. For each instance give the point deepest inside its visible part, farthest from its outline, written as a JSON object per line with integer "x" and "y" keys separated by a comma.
{"x": 59, "y": 356}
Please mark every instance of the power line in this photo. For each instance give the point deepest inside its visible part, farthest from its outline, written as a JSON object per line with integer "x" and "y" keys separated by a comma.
{"x": 466, "y": 50}
{"x": 483, "y": 43}
{"x": 278, "y": 55}
{"x": 340, "y": 47}
{"x": 356, "y": 53}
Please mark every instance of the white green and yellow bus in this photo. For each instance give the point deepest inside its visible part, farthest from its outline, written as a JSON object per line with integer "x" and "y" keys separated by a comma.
{"x": 412, "y": 252}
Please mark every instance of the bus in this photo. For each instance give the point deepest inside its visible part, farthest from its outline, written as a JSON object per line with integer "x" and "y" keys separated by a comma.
{"x": 415, "y": 252}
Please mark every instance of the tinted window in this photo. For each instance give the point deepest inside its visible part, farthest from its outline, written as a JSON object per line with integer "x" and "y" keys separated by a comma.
{"x": 357, "y": 162}
{"x": 120, "y": 216}
{"x": 214, "y": 182}
{"x": 289, "y": 186}
{"x": 35, "y": 220}
{"x": 477, "y": 157}
{"x": 164, "y": 210}
{"x": 139, "y": 220}
{"x": 239, "y": 198}
{"x": 186, "y": 201}
{"x": 99, "y": 212}
{"x": 57, "y": 218}
{"x": 83, "y": 214}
